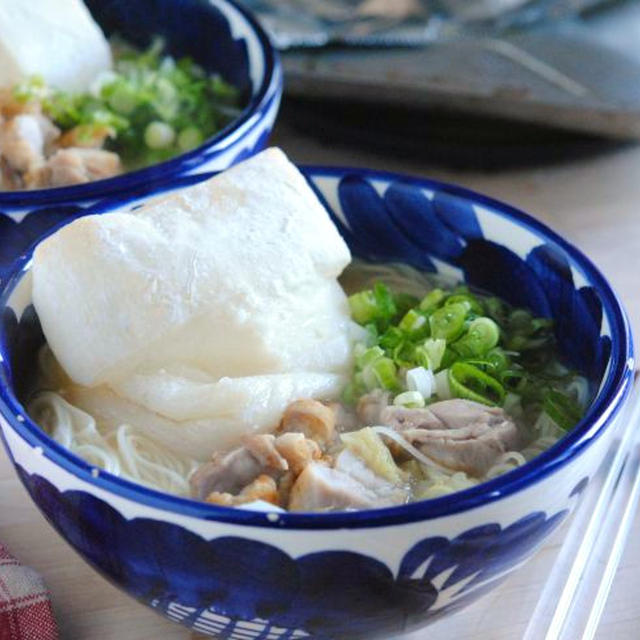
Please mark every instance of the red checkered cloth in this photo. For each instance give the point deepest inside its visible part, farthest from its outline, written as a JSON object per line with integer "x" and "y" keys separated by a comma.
{"x": 25, "y": 608}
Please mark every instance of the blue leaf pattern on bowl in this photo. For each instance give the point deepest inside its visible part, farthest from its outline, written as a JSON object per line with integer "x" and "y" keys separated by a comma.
{"x": 330, "y": 595}
{"x": 416, "y": 227}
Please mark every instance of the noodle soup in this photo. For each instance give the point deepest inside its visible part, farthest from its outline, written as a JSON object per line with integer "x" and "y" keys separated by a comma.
{"x": 387, "y": 388}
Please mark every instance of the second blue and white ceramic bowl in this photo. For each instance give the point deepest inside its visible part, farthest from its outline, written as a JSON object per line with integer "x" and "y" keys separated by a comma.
{"x": 223, "y": 38}
{"x": 244, "y": 575}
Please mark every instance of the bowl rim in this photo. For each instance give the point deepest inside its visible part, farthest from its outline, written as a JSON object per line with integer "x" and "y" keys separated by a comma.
{"x": 600, "y": 415}
{"x": 184, "y": 162}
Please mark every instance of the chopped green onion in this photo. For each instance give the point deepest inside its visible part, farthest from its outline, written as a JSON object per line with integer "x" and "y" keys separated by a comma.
{"x": 404, "y": 302}
{"x": 372, "y": 332}
{"x": 499, "y": 359}
{"x": 373, "y": 306}
{"x": 442, "y": 386}
{"x": 413, "y": 322}
{"x": 469, "y": 382}
{"x": 391, "y": 339}
{"x": 363, "y": 307}
{"x": 520, "y": 320}
{"x": 464, "y": 332}
{"x": 159, "y": 135}
{"x": 448, "y": 323}
{"x": 385, "y": 373}
{"x": 422, "y": 380}
{"x": 432, "y": 300}
{"x": 481, "y": 336}
{"x": 384, "y": 300}
{"x": 470, "y": 301}
{"x": 123, "y": 98}
{"x": 403, "y": 354}
{"x": 409, "y": 399}
{"x": 562, "y": 409}
{"x": 32, "y": 88}
{"x": 369, "y": 379}
{"x": 189, "y": 138}
{"x": 430, "y": 353}
{"x": 368, "y": 356}
{"x": 513, "y": 380}
{"x": 497, "y": 309}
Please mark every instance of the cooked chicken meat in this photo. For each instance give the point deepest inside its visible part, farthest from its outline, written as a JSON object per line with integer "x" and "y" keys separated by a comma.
{"x": 371, "y": 405}
{"x": 34, "y": 154}
{"x": 459, "y": 434}
{"x": 260, "y": 455}
{"x": 312, "y": 418}
{"x": 226, "y": 473}
{"x": 263, "y": 448}
{"x": 75, "y": 166}
{"x": 308, "y": 468}
{"x": 297, "y": 450}
{"x": 263, "y": 488}
{"x": 23, "y": 140}
{"x": 322, "y": 488}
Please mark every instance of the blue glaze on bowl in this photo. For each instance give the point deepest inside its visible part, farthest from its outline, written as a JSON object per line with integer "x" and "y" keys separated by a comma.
{"x": 220, "y": 35}
{"x": 240, "y": 574}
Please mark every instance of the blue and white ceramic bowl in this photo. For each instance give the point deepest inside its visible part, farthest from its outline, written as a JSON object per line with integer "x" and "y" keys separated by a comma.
{"x": 370, "y": 574}
{"x": 223, "y": 38}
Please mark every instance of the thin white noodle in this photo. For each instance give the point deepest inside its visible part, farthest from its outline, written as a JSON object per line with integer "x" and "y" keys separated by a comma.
{"x": 538, "y": 446}
{"x": 150, "y": 464}
{"x": 442, "y": 484}
{"x": 506, "y": 462}
{"x": 408, "y": 447}
{"x": 399, "y": 277}
{"x": 579, "y": 389}
{"x": 123, "y": 453}
{"x": 73, "y": 429}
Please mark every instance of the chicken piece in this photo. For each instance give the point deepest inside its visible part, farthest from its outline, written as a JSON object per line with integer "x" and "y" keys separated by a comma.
{"x": 321, "y": 488}
{"x": 85, "y": 136}
{"x": 75, "y": 166}
{"x": 10, "y": 106}
{"x": 262, "y": 488}
{"x": 297, "y": 450}
{"x": 228, "y": 473}
{"x": 401, "y": 419}
{"x": 221, "y": 498}
{"x": 346, "y": 417}
{"x": 315, "y": 420}
{"x": 371, "y": 405}
{"x": 232, "y": 472}
{"x": 473, "y": 449}
{"x": 263, "y": 447}
{"x": 10, "y": 179}
{"x": 24, "y": 139}
{"x": 459, "y": 434}
{"x": 285, "y": 484}
{"x": 351, "y": 464}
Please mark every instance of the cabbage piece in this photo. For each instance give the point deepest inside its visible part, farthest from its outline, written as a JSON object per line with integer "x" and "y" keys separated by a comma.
{"x": 367, "y": 445}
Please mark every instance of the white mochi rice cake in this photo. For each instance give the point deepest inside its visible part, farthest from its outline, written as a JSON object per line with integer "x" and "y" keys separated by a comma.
{"x": 199, "y": 317}
{"x": 57, "y": 40}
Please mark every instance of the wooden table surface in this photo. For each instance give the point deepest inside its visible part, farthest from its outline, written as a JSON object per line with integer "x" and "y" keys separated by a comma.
{"x": 594, "y": 202}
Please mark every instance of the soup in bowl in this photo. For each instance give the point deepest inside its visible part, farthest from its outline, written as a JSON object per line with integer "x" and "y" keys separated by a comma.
{"x": 343, "y": 544}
